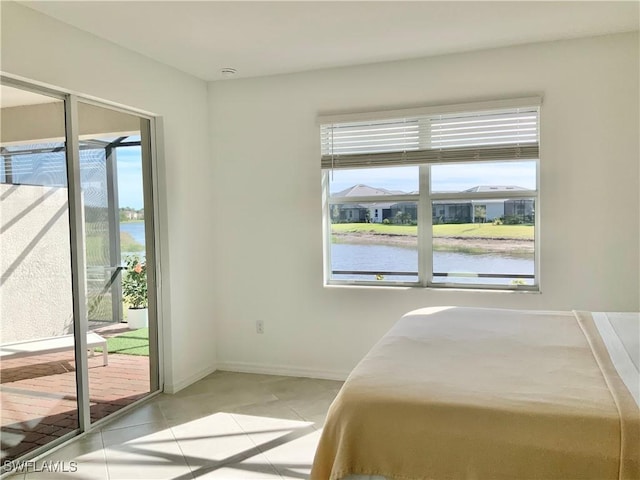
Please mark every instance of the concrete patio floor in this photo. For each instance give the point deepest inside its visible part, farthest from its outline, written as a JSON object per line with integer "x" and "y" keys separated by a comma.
{"x": 38, "y": 394}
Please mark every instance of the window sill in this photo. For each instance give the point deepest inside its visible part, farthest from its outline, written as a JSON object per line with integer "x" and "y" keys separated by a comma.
{"x": 456, "y": 289}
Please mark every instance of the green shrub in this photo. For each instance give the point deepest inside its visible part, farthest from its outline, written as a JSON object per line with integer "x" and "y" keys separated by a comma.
{"x": 134, "y": 282}
{"x": 512, "y": 220}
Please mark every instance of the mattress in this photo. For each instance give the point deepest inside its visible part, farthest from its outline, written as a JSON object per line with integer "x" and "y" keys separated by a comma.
{"x": 455, "y": 392}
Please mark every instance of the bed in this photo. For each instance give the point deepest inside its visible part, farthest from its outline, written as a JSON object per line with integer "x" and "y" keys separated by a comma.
{"x": 468, "y": 393}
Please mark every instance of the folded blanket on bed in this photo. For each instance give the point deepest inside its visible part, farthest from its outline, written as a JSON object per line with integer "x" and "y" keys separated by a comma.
{"x": 455, "y": 392}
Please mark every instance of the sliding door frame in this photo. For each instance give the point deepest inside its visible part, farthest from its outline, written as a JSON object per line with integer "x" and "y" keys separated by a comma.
{"x": 78, "y": 264}
{"x": 151, "y": 149}
{"x": 60, "y": 441}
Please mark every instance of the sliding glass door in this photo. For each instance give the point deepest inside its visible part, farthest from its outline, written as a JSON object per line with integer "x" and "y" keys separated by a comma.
{"x": 38, "y": 383}
{"x": 78, "y": 298}
{"x": 114, "y": 150}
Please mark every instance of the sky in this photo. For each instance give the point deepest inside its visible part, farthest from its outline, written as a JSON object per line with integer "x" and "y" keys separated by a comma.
{"x": 130, "y": 177}
{"x": 444, "y": 178}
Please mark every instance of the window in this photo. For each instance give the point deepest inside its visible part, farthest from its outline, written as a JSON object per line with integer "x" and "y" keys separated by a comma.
{"x": 453, "y": 192}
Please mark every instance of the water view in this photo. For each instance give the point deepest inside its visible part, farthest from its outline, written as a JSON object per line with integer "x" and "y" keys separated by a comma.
{"x": 135, "y": 229}
{"x": 132, "y": 240}
{"x": 392, "y": 258}
{"x": 359, "y": 257}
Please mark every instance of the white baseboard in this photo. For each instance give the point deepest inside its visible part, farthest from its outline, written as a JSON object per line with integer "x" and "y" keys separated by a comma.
{"x": 185, "y": 382}
{"x": 286, "y": 370}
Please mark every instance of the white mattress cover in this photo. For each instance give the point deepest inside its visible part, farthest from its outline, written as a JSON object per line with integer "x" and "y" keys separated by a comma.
{"x": 621, "y": 335}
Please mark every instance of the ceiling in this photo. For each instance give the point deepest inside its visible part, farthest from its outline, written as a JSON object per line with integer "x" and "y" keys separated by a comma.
{"x": 15, "y": 97}
{"x": 266, "y": 38}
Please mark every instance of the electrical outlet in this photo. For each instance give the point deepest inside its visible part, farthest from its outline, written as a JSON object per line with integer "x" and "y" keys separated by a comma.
{"x": 259, "y": 326}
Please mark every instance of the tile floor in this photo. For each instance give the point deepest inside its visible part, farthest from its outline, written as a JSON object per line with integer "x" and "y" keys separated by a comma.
{"x": 226, "y": 426}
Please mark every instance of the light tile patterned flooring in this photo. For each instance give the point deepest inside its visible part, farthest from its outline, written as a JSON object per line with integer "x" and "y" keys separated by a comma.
{"x": 226, "y": 426}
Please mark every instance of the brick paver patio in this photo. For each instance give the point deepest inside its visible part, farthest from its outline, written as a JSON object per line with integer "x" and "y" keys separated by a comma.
{"x": 38, "y": 395}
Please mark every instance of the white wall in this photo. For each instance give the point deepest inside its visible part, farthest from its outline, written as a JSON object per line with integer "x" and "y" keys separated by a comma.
{"x": 268, "y": 260}
{"x": 40, "y": 48}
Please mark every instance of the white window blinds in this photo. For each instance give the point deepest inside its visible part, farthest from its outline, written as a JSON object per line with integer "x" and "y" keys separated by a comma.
{"x": 481, "y": 135}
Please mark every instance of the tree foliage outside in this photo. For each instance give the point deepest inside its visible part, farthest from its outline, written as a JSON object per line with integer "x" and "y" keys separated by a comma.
{"x": 403, "y": 218}
{"x": 480, "y": 213}
{"x": 335, "y": 214}
{"x": 128, "y": 214}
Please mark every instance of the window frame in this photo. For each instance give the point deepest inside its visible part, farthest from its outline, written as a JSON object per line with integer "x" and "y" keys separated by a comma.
{"x": 329, "y": 202}
{"x": 424, "y": 198}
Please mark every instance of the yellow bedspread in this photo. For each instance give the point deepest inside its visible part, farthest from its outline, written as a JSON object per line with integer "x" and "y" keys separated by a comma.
{"x": 465, "y": 393}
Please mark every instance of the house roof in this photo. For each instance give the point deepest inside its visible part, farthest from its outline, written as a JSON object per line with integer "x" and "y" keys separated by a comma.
{"x": 380, "y": 205}
{"x": 361, "y": 190}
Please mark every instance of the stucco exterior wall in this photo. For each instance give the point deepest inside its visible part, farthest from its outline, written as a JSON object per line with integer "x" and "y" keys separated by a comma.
{"x": 35, "y": 263}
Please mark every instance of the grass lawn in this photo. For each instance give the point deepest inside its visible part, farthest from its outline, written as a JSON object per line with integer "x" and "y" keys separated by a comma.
{"x": 475, "y": 230}
{"x": 484, "y": 230}
{"x": 135, "y": 342}
{"x": 129, "y": 244}
{"x": 375, "y": 228}
{"x": 95, "y": 244}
